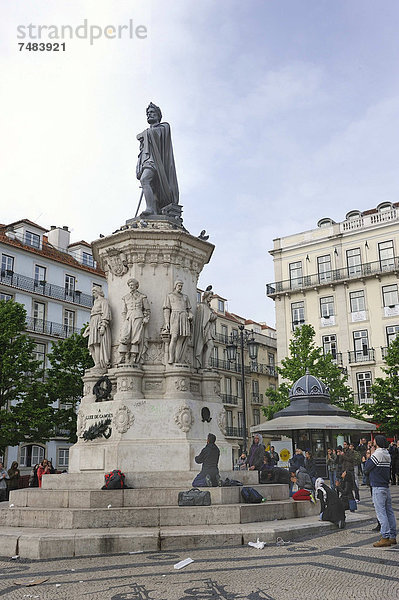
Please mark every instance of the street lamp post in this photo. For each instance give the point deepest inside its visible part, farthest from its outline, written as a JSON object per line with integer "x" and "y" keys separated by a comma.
{"x": 246, "y": 338}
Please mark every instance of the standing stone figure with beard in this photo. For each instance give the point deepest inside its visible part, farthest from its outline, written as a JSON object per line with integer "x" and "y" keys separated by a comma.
{"x": 156, "y": 165}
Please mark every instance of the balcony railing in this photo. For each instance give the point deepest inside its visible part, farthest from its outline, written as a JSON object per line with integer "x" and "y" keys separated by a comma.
{"x": 363, "y": 399}
{"x": 360, "y": 271}
{"x": 42, "y": 288}
{"x": 255, "y": 367}
{"x": 229, "y": 399}
{"x": 237, "y": 432}
{"x": 221, "y": 338}
{"x": 49, "y": 328}
{"x": 359, "y": 356}
{"x": 256, "y": 398}
{"x": 225, "y": 365}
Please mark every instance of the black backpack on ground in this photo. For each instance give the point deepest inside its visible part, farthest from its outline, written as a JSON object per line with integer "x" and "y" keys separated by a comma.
{"x": 230, "y": 482}
{"x": 251, "y": 496}
{"x": 194, "y": 497}
{"x": 115, "y": 480}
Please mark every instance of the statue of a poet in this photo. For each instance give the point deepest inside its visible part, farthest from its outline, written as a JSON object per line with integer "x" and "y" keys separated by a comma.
{"x": 156, "y": 165}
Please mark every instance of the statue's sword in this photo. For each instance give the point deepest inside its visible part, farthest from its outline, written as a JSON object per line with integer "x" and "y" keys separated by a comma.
{"x": 139, "y": 204}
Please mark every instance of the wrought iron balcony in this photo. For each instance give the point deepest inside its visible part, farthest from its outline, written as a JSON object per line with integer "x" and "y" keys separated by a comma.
{"x": 371, "y": 269}
{"x": 225, "y": 365}
{"x": 221, "y": 338}
{"x": 230, "y": 399}
{"x": 363, "y": 399}
{"x": 257, "y": 398}
{"x": 42, "y": 288}
{"x": 236, "y": 432}
{"x": 49, "y": 328}
{"x": 359, "y": 356}
{"x": 263, "y": 369}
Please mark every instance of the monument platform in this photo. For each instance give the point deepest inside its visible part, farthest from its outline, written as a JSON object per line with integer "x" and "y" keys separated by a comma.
{"x": 61, "y": 521}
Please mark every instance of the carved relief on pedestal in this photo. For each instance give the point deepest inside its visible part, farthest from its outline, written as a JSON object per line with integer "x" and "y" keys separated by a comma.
{"x": 222, "y": 421}
{"x": 181, "y": 384}
{"x": 87, "y": 389}
{"x": 125, "y": 384}
{"x": 116, "y": 262}
{"x": 195, "y": 387}
{"x": 153, "y": 386}
{"x": 154, "y": 353}
{"x": 184, "y": 418}
{"x": 123, "y": 419}
{"x": 80, "y": 424}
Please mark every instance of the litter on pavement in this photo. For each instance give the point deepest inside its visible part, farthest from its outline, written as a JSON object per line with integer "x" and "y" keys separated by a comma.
{"x": 183, "y": 563}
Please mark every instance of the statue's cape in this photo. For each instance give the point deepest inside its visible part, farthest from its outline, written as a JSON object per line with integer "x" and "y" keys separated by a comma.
{"x": 158, "y": 150}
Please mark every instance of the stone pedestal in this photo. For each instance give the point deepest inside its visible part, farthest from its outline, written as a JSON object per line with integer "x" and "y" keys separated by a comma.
{"x": 155, "y": 408}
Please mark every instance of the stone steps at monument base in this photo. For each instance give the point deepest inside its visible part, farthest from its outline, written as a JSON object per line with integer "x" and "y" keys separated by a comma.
{"x": 45, "y": 544}
{"x": 91, "y": 480}
{"x": 35, "y": 497}
{"x": 84, "y": 518}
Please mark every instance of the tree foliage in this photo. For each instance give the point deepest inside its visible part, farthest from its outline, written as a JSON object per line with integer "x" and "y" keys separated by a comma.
{"x": 385, "y": 390}
{"x": 69, "y": 359}
{"x": 25, "y": 411}
{"x": 303, "y": 355}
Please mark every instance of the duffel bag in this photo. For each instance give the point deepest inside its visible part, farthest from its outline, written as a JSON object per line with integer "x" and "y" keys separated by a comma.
{"x": 194, "y": 497}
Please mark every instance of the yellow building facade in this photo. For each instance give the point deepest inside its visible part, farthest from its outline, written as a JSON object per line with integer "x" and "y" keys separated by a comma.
{"x": 342, "y": 278}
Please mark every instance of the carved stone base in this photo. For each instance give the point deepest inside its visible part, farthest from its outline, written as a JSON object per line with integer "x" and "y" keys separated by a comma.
{"x": 163, "y": 433}
{"x": 129, "y": 381}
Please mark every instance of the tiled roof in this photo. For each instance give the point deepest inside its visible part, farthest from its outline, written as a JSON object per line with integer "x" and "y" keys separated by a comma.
{"x": 29, "y": 223}
{"x": 47, "y": 251}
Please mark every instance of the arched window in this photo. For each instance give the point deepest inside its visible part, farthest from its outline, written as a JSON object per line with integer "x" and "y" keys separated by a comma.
{"x": 31, "y": 455}
{"x": 353, "y": 214}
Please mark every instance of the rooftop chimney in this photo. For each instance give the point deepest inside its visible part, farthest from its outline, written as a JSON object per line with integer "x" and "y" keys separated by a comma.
{"x": 59, "y": 238}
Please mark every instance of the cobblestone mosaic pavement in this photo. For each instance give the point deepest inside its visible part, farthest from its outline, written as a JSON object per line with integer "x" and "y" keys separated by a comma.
{"x": 336, "y": 565}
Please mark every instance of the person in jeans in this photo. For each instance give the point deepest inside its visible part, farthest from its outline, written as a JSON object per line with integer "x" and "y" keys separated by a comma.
{"x": 378, "y": 467}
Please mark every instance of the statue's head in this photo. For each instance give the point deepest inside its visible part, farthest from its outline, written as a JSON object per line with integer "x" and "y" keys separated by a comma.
{"x": 97, "y": 291}
{"x": 154, "y": 114}
{"x": 133, "y": 283}
{"x": 178, "y": 285}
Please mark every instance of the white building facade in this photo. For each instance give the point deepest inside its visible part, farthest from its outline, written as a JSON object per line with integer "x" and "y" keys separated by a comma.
{"x": 342, "y": 278}
{"x": 53, "y": 280}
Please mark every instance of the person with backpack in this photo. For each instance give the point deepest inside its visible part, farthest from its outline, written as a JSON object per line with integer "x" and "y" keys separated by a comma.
{"x": 331, "y": 506}
{"x": 209, "y": 458}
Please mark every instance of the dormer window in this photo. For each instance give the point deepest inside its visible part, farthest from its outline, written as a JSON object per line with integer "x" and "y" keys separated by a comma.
{"x": 325, "y": 222}
{"x": 221, "y": 305}
{"x": 384, "y": 207}
{"x": 87, "y": 259}
{"x": 353, "y": 214}
{"x": 32, "y": 239}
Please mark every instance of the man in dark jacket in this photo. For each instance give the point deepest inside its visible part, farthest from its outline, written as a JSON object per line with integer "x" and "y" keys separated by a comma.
{"x": 378, "y": 467}
{"x": 209, "y": 458}
{"x": 256, "y": 453}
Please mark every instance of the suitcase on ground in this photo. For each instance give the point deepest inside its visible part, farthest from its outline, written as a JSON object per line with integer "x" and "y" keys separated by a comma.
{"x": 251, "y": 496}
{"x": 194, "y": 497}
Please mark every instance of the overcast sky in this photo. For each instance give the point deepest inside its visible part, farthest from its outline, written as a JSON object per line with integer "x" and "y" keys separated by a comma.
{"x": 282, "y": 112}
